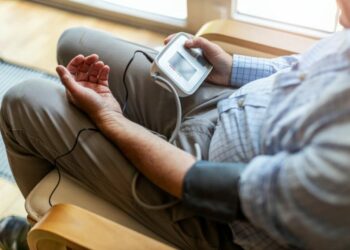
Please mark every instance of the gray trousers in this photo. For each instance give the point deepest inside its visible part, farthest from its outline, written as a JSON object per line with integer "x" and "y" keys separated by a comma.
{"x": 38, "y": 124}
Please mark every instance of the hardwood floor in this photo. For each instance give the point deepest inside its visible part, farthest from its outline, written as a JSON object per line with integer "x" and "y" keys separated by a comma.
{"x": 11, "y": 200}
{"x": 29, "y": 32}
{"x": 28, "y": 35}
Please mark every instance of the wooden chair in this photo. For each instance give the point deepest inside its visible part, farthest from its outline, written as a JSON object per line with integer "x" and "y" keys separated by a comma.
{"x": 84, "y": 221}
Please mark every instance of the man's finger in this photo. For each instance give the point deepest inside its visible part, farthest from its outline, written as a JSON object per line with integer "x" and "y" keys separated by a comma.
{"x": 66, "y": 78}
{"x": 104, "y": 75}
{"x": 208, "y": 47}
{"x": 89, "y": 60}
{"x": 75, "y": 63}
{"x": 167, "y": 40}
{"x": 84, "y": 68}
{"x": 94, "y": 71}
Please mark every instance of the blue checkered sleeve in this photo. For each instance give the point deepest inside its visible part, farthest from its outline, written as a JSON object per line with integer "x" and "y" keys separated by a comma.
{"x": 247, "y": 69}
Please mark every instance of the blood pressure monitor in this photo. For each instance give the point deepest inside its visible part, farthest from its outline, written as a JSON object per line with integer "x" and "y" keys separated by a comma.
{"x": 185, "y": 69}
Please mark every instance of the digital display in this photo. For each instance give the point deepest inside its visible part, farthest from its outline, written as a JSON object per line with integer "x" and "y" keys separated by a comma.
{"x": 179, "y": 63}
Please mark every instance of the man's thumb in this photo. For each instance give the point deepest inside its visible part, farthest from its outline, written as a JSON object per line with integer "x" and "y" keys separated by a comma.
{"x": 202, "y": 43}
{"x": 66, "y": 78}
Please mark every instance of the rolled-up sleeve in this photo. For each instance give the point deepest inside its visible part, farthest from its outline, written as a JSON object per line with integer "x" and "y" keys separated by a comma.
{"x": 211, "y": 190}
{"x": 246, "y": 69}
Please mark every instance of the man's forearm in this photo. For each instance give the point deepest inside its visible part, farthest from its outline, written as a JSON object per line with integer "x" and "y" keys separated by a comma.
{"x": 164, "y": 164}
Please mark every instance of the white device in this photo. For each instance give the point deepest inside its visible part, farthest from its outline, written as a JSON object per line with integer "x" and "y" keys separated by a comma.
{"x": 185, "y": 69}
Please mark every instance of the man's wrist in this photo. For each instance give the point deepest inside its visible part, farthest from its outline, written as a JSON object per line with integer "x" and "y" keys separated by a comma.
{"x": 108, "y": 120}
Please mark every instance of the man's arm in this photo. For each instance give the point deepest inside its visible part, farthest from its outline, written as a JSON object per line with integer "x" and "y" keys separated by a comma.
{"x": 161, "y": 162}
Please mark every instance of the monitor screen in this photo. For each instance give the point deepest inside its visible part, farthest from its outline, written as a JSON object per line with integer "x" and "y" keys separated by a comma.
{"x": 179, "y": 63}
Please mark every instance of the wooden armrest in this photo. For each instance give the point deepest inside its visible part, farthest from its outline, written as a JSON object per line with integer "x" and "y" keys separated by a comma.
{"x": 73, "y": 227}
{"x": 267, "y": 40}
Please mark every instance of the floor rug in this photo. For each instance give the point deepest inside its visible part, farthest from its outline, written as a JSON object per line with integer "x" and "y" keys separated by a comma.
{"x": 10, "y": 75}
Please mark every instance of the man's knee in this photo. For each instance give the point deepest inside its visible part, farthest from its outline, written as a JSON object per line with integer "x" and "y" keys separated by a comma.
{"x": 24, "y": 100}
{"x": 69, "y": 43}
{"x": 10, "y": 104}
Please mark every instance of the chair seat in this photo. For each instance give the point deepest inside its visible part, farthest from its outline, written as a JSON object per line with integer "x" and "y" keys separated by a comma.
{"x": 70, "y": 192}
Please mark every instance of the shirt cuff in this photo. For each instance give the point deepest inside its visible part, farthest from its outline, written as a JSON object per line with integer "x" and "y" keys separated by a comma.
{"x": 211, "y": 190}
{"x": 246, "y": 69}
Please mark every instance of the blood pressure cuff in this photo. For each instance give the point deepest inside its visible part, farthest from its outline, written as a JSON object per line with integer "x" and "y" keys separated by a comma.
{"x": 211, "y": 190}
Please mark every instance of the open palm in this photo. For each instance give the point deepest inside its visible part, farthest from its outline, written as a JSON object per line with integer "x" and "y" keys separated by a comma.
{"x": 87, "y": 87}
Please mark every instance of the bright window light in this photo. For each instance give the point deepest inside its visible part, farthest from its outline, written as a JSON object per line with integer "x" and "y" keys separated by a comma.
{"x": 169, "y": 8}
{"x": 317, "y": 15}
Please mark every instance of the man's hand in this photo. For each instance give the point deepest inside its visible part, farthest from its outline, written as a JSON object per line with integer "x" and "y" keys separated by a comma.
{"x": 221, "y": 61}
{"x": 87, "y": 87}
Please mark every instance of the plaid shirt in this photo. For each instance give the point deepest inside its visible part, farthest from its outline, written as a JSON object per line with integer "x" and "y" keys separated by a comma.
{"x": 290, "y": 122}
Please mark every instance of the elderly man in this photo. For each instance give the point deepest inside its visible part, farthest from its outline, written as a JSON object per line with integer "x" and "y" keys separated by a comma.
{"x": 275, "y": 171}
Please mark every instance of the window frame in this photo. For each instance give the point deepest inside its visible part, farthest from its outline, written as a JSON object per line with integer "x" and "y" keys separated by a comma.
{"x": 209, "y": 10}
{"x": 125, "y": 16}
{"x": 195, "y": 19}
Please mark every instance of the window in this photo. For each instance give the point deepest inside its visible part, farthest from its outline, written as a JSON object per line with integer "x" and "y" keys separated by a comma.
{"x": 167, "y": 16}
{"x": 314, "y": 18}
{"x": 169, "y": 8}
{"x": 306, "y": 16}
